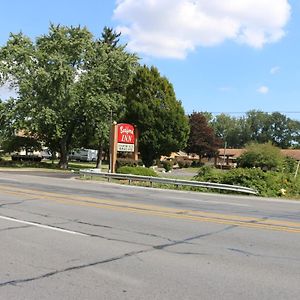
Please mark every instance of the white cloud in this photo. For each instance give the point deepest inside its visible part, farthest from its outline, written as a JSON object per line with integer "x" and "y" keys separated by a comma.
{"x": 263, "y": 90}
{"x": 274, "y": 70}
{"x": 225, "y": 89}
{"x": 172, "y": 28}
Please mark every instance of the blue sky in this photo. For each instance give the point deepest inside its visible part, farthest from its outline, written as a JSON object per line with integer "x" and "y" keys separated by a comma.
{"x": 221, "y": 56}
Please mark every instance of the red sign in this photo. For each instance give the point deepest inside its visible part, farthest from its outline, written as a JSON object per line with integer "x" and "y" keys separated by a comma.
{"x": 125, "y": 133}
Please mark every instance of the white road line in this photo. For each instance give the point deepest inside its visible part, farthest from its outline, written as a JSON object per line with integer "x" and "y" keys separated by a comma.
{"x": 43, "y": 226}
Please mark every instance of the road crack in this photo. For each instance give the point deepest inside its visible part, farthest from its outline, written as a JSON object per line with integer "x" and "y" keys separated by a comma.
{"x": 161, "y": 247}
{"x": 15, "y": 227}
{"x": 248, "y": 254}
{"x": 12, "y": 203}
{"x": 79, "y": 267}
{"x": 116, "y": 258}
{"x": 121, "y": 229}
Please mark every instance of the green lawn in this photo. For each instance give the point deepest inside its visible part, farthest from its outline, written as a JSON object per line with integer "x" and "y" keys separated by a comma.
{"x": 49, "y": 165}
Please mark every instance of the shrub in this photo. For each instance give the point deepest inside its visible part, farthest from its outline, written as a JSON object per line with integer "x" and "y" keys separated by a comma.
{"x": 168, "y": 165}
{"x": 122, "y": 162}
{"x": 289, "y": 165}
{"x": 197, "y": 164}
{"x": 205, "y": 170}
{"x": 269, "y": 184}
{"x": 265, "y": 156}
{"x": 184, "y": 163}
{"x": 137, "y": 171}
{"x": 210, "y": 174}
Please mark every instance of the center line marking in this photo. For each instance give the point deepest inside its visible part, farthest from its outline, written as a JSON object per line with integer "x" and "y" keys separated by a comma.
{"x": 43, "y": 226}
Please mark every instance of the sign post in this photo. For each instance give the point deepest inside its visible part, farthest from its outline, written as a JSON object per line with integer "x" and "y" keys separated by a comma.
{"x": 113, "y": 148}
{"x": 123, "y": 138}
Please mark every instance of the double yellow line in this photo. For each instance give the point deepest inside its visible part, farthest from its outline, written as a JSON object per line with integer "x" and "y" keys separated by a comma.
{"x": 155, "y": 210}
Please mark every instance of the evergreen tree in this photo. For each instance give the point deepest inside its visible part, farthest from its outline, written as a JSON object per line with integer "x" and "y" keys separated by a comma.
{"x": 110, "y": 37}
{"x": 152, "y": 106}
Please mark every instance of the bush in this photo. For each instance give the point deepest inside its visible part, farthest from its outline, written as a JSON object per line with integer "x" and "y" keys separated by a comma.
{"x": 184, "y": 163}
{"x": 269, "y": 184}
{"x": 197, "y": 164}
{"x": 264, "y": 156}
{"x": 289, "y": 165}
{"x": 168, "y": 165}
{"x": 122, "y": 162}
{"x": 210, "y": 174}
{"x": 137, "y": 171}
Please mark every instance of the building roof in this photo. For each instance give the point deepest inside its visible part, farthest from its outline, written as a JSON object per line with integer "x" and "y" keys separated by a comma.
{"x": 234, "y": 153}
{"x": 294, "y": 153}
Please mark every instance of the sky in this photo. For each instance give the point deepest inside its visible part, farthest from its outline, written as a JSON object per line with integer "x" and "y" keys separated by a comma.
{"x": 222, "y": 56}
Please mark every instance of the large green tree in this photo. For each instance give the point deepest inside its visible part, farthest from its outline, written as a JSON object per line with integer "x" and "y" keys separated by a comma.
{"x": 275, "y": 128}
{"x": 234, "y": 132}
{"x": 109, "y": 72}
{"x": 152, "y": 106}
{"x": 66, "y": 80}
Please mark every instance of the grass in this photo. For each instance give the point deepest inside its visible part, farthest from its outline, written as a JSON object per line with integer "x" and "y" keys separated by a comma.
{"x": 49, "y": 165}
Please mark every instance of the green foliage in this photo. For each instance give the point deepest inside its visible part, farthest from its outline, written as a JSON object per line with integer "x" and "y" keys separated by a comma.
{"x": 68, "y": 84}
{"x": 151, "y": 104}
{"x": 268, "y": 184}
{"x": 289, "y": 165}
{"x": 257, "y": 126}
{"x": 197, "y": 164}
{"x": 122, "y": 162}
{"x": 167, "y": 165}
{"x": 235, "y": 132}
{"x": 110, "y": 37}
{"x": 137, "y": 171}
{"x": 184, "y": 163}
{"x": 17, "y": 143}
{"x": 210, "y": 174}
{"x": 264, "y": 156}
{"x": 26, "y": 164}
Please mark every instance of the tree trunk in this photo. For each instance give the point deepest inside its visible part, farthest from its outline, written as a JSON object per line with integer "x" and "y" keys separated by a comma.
{"x": 64, "y": 155}
{"x": 99, "y": 156}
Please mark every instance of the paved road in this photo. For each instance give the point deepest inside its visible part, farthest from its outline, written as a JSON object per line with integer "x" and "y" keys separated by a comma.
{"x": 62, "y": 238}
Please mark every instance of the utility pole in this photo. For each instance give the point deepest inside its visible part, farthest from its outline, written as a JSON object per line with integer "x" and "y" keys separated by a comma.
{"x": 296, "y": 173}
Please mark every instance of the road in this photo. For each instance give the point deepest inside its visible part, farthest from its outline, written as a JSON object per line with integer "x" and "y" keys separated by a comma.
{"x": 63, "y": 238}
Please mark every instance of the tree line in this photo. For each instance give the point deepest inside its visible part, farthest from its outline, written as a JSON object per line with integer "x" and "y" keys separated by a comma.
{"x": 71, "y": 86}
{"x": 208, "y": 133}
{"x": 257, "y": 126}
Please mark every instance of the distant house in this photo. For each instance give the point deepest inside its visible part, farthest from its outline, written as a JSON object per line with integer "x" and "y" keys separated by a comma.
{"x": 293, "y": 153}
{"x": 180, "y": 155}
{"x": 227, "y": 158}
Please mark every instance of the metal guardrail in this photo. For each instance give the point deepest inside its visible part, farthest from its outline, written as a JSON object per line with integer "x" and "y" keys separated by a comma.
{"x": 176, "y": 182}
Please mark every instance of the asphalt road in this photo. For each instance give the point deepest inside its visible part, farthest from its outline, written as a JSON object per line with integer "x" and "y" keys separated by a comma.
{"x": 62, "y": 238}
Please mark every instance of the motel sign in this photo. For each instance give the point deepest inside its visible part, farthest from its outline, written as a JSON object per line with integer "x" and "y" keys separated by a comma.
{"x": 125, "y": 138}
